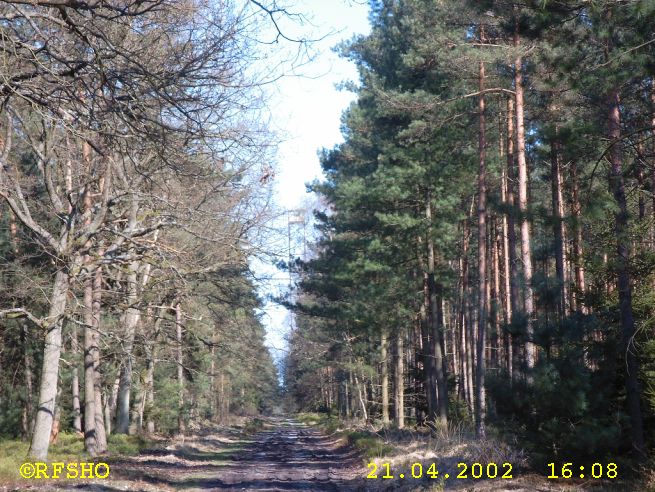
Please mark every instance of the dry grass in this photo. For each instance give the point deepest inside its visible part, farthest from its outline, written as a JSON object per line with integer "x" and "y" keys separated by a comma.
{"x": 448, "y": 447}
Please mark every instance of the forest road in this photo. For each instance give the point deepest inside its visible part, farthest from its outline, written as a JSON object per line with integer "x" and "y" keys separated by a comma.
{"x": 288, "y": 455}
{"x": 283, "y": 455}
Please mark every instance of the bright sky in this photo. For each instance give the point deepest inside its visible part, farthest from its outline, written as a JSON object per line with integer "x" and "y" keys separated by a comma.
{"x": 306, "y": 112}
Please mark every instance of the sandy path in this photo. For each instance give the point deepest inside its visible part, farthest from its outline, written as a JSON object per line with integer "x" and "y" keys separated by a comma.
{"x": 288, "y": 455}
{"x": 284, "y": 455}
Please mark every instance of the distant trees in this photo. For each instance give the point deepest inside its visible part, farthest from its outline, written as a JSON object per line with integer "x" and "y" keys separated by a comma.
{"x": 112, "y": 113}
{"x": 479, "y": 136}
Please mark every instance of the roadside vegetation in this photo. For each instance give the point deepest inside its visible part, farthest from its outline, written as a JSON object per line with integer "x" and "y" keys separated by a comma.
{"x": 69, "y": 448}
{"x": 446, "y": 447}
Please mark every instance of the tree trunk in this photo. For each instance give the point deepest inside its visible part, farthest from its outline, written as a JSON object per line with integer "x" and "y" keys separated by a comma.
{"x": 28, "y": 377}
{"x": 530, "y": 350}
{"x": 75, "y": 382}
{"x": 113, "y": 401}
{"x": 130, "y": 321}
{"x": 351, "y": 383}
{"x": 507, "y": 259}
{"x": 399, "y": 384}
{"x": 641, "y": 179}
{"x": 622, "y": 232}
{"x": 56, "y": 421}
{"x": 101, "y": 433}
{"x": 361, "y": 399}
{"x": 138, "y": 408}
{"x": 136, "y": 421}
{"x": 471, "y": 338}
{"x": 576, "y": 210}
{"x": 221, "y": 396}
{"x": 384, "y": 343}
{"x": 559, "y": 231}
{"x": 511, "y": 230}
{"x": 106, "y": 411}
{"x": 429, "y": 381}
{"x": 50, "y": 368}
{"x": 150, "y": 388}
{"x": 480, "y": 397}
{"x": 212, "y": 374}
{"x": 438, "y": 377}
{"x": 90, "y": 346}
{"x": 151, "y": 352}
{"x": 181, "y": 426}
{"x": 465, "y": 363}
{"x": 495, "y": 294}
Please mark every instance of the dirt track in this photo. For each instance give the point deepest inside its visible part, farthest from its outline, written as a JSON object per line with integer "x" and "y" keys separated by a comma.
{"x": 284, "y": 455}
{"x": 287, "y": 455}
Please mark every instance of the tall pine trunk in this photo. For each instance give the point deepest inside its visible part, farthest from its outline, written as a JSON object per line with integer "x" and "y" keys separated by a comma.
{"x": 494, "y": 295}
{"x": 429, "y": 381}
{"x": 511, "y": 230}
{"x": 384, "y": 346}
{"x": 559, "y": 231}
{"x": 465, "y": 364}
{"x": 530, "y": 351}
{"x": 480, "y": 397}
{"x": 578, "y": 251}
{"x": 399, "y": 383}
{"x": 622, "y": 232}
{"x": 438, "y": 378}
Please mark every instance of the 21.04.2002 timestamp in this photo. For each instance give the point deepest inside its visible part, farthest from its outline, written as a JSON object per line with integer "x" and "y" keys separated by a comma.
{"x": 465, "y": 471}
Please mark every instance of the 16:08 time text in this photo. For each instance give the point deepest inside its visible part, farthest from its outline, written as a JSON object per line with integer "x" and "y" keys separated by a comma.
{"x": 597, "y": 470}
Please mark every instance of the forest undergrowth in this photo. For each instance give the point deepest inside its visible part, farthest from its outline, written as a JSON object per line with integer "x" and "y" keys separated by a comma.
{"x": 446, "y": 447}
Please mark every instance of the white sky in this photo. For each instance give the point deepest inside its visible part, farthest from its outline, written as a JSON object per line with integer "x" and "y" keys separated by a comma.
{"x": 305, "y": 112}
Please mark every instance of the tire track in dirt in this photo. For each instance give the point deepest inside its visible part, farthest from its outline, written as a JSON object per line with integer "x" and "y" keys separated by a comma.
{"x": 288, "y": 455}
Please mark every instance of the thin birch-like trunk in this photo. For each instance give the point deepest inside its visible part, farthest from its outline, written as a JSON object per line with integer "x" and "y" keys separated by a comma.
{"x": 101, "y": 432}
{"x": 181, "y": 426}
{"x": 130, "y": 322}
{"x": 28, "y": 378}
{"x": 90, "y": 345}
{"x": 50, "y": 368}
{"x": 75, "y": 381}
